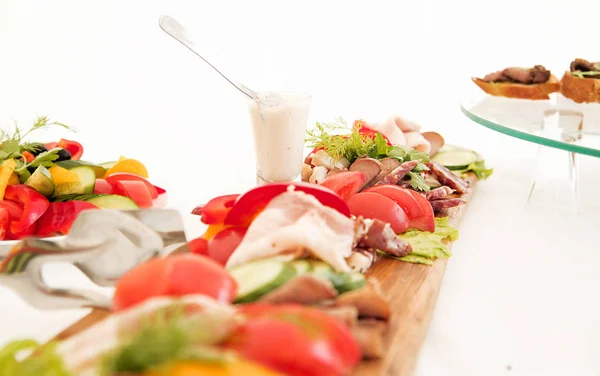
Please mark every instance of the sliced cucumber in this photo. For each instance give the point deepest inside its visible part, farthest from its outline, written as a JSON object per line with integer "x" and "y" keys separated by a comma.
{"x": 86, "y": 178}
{"x": 456, "y": 160}
{"x": 260, "y": 277}
{"x": 302, "y": 266}
{"x": 351, "y": 281}
{"x": 320, "y": 268}
{"x": 101, "y": 201}
{"x": 71, "y": 164}
{"x": 41, "y": 181}
{"x": 342, "y": 282}
{"x": 113, "y": 202}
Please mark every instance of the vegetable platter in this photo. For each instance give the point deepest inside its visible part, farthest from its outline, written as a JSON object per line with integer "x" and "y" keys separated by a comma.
{"x": 45, "y": 185}
{"x": 335, "y": 275}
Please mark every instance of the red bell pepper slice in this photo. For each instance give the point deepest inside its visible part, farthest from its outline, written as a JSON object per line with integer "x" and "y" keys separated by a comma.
{"x": 4, "y": 220}
{"x": 59, "y": 217}
{"x": 215, "y": 211}
{"x": 160, "y": 190}
{"x": 115, "y": 178}
{"x": 15, "y": 210}
{"x": 29, "y": 231}
{"x": 135, "y": 190}
{"x": 73, "y": 147}
{"x": 102, "y": 187}
{"x": 34, "y": 206}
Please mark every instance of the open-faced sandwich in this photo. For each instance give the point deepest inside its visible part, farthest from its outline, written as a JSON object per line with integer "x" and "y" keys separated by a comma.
{"x": 582, "y": 83}
{"x": 522, "y": 83}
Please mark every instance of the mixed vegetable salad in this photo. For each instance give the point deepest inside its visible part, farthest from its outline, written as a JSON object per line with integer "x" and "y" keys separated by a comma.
{"x": 44, "y": 186}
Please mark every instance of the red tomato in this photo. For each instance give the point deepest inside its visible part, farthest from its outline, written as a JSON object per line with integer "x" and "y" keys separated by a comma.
{"x": 4, "y": 219}
{"x": 73, "y": 147}
{"x": 102, "y": 187}
{"x": 135, "y": 190}
{"x": 124, "y": 176}
{"x": 251, "y": 203}
{"x": 215, "y": 211}
{"x": 345, "y": 184}
{"x": 376, "y": 206}
{"x": 199, "y": 246}
{"x": 222, "y": 245}
{"x": 15, "y": 210}
{"x": 176, "y": 275}
{"x": 314, "y": 343}
{"x": 401, "y": 196}
{"x": 426, "y": 222}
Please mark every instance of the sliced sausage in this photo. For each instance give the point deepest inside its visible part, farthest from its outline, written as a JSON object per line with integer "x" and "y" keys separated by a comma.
{"x": 387, "y": 165}
{"x": 437, "y": 193}
{"x": 398, "y": 173}
{"x": 369, "y": 166}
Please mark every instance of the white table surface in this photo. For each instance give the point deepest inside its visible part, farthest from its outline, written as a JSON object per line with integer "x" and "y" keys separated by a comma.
{"x": 520, "y": 293}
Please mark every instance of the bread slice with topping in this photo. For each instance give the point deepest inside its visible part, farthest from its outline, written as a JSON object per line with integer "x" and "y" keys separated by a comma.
{"x": 522, "y": 83}
{"x": 581, "y": 83}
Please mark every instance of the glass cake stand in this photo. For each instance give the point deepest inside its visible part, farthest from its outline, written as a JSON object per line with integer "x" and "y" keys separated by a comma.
{"x": 561, "y": 128}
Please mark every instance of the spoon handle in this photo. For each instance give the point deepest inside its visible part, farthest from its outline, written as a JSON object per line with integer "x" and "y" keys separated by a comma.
{"x": 170, "y": 26}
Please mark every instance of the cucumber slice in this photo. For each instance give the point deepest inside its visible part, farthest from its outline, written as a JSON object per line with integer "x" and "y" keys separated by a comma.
{"x": 41, "y": 181}
{"x": 113, "y": 202}
{"x": 456, "y": 160}
{"x": 70, "y": 164}
{"x": 86, "y": 178}
{"x": 302, "y": 266}
{"x": 351, "y": 281}
{"x": 320, "y": 269}
{"x": 260, "y": 277}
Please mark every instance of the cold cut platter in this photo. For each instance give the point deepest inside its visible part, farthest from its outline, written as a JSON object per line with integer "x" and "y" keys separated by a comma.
{"x": 334, "y": 275}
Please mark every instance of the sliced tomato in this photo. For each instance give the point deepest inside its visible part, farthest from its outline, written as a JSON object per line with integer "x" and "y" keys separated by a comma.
{"x": 315, "y": 343}
{"x": 135, "y": 190}
{"x": 176, "y": 275}
{"x": 15, "y": 210}
{"x": 222, "y": 245}
{"x": 102, "y": 187}
{"x": 401, "y": 196}
{"x": 125, "y": 176}
{"x": 346, "y": 183}
{"x": 199, "y": 246}
{"x": 215, "y": 211}
{"x": 425, "y": 222}
{"x": 251, "y": 203}
{"x": 375, "y": 206}
{"x": 73, "y": 147}
{"x": 4, "y": 220}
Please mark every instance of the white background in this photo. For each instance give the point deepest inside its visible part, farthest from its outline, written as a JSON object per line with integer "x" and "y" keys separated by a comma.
{"x": 520, "y": 294}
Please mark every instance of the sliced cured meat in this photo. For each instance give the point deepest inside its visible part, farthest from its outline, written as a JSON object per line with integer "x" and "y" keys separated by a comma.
{"x": 446, "y": 203}
{"x": 438, "y": 193}
{"x": 303, "y": 289}
{"x": 361, "y": 259}
{"x": 398, "y": 173}
{"x": 416, "y": 141}
{"x": 435, "y": 140}
{"x": 284, "y": 224}
{"x": 347, "y": 314}
{"x": 390, "y": 130}
{"x": 369, "y": 166}
{"x": 447, "y": 177}
{"x": 405, "y": 125}
{"x": 369, "y": 335}
{"x": 387, "y": 165}
{"x": 368, "y": 300}
{"x": 380, "y": 235}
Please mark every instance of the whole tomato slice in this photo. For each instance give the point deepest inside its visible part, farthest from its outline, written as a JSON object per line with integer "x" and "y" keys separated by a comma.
{"x": 177, "y": 275}
{"x": 251, "y": 203}
{"x": 376, "y": 206}
{"x": 135, "y": 190}
{"x": 113, "y": 179}
{"x": 425, "y": 222}
{"x": 103, "y": 187}
{"x": 215, "y": 211}
{"x": 222, "y": 245}
{"x": 401, "y": 196}
{"x": 295, "y": 340}
{"x": 345, "y": 184}
{"x": 73, "y": 147}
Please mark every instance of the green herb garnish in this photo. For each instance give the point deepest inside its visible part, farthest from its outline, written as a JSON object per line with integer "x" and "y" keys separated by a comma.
{"x": 43, "y": 361}
{"x": 479, "y": 169}
{"x": 339, "y": 140}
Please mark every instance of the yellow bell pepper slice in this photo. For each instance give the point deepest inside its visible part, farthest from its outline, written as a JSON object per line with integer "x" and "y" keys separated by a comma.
{"x": 213, "y": 230}
{"x": 61, "y": 175}
{"x": 238, "y": 368}
{"x": 6, "y": 171}
{"x": 129, "y": 165}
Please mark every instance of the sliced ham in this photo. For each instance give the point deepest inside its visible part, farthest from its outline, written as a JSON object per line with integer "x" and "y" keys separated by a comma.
{"x": 435, "y": 140}
{"x": 415, "y": 140}
{"x": 295, "y": 220}
{"x": 303, "y": 289}
{"x": 347, "y": 314}
{"x": 369, "y": 336}
{"x": 390, "y": 130}
{"x": 404, "y": 125}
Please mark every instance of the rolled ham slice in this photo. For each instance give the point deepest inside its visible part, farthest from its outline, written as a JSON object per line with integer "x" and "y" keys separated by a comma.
{"x": 405, "y": 125}
{"x": 416, "y": 141}
{"x": 391, "y": 131}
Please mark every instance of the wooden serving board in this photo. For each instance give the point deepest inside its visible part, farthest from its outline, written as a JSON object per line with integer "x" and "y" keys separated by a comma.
{"x": 412, "y": 290}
